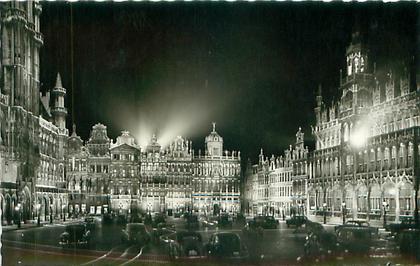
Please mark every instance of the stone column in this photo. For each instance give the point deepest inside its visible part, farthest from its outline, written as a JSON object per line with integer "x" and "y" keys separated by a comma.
{"x": 397, "y": 204}
{"x": 368, "y": 203}
{"x": 354, "y": 207}
{"x": 307, "y": 198}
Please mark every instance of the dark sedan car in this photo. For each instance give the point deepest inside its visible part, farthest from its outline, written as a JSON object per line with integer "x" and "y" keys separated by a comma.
{"x": 225, "y": 221}
{"x": 252, "y": 231}
{"x": 90, "y": 222}
{"x": 107, "y": 218}
{"x": 75, "y": 235}
{"x": 357, "y": 223}
{"x": 406, "y": 223}
{"x": 135, "y": 233}
{"x": 355, "y": 239}
{"x": 188, "y": 244}
{"x": 409, "y": 243}
{"x": 226, "y": 245}
{"x": 266, "y": 222}
{"x": 297, "y": 220}
{"x": 192, "y": 222}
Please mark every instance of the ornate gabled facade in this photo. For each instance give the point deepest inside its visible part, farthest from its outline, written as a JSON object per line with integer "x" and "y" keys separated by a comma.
{"x": 301, "y": 173}
{"x": 122, "y": 178}
{"x": 76, "y": 172}
{"x": 269, "y": 185}
{"x": 124, "y": 183}
{"x": 366, "y": 156}
{"x": 216, "y": 178}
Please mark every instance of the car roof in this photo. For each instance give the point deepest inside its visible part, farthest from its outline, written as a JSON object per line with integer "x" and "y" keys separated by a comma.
{"x": 225, "y": 234}
{"x": 135, "y": 224}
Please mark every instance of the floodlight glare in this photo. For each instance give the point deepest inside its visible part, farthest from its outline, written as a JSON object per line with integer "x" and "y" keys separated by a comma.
{"x": 358, "y": 138}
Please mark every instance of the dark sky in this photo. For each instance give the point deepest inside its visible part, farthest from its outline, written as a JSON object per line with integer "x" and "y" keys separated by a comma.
{"x": 173, "y": 68}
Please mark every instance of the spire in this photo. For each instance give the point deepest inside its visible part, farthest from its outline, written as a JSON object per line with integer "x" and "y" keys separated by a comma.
{"x": 74, "y": 130}
{"x": 154, "y": 139}
{"x": 319, "y": 96}
{"x": 58, "y": 83}
{"x": 214, "y": 126}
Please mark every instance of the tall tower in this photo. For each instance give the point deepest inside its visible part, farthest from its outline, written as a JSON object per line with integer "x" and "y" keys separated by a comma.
{"x": 318, "y": 107}
{"x": 358, "y": 84}
{"x": 21, "y": 40}
{"x": 356, "y": 55}
{"x": 214, "y": 143}
{"x": 299, "y": 139}
{"x": 58, "y": 110}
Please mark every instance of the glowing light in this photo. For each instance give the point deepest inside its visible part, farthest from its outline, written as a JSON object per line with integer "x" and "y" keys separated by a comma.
{"x": 358, "y": 137}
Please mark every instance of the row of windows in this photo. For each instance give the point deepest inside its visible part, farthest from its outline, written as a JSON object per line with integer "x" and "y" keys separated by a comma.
{"x": 280, "y": 177}
{"x": 124, "y": 157}
{"x": 280, "y": 191}
{"x": 374, "y": 160}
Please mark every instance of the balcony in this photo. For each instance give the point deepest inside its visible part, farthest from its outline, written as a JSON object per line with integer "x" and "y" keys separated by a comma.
{"x": 356, "y": 77}
{"x": 39, "y": 38}
{"x": 59, "y": 90}
{"x": 4, "y": 99}
{"x": 30, "y": 26}
{"x": 14, "y": 14}
{"x": 59, "y": 110}
{"x": 38, "y": 8}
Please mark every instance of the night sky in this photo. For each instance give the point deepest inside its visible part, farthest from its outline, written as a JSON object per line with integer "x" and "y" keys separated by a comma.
{"x": 173, "y": 68}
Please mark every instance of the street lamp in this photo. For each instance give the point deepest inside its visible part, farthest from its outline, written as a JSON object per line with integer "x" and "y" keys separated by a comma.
{"x": 17, "y": 209}
{"x": 385, "y": 205}
{"x": 325, "y": 212}
{"x": 63, "y": 211}
{"x": 38, "y": 210}
{"x": 343, "y": 210}
{"x": 51, "y": 215}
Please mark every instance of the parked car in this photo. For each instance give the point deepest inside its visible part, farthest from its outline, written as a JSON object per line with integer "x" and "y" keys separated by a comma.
{"x": 158, "y": 218}
{"x": 177, "y": 215}
{"x": 266, "y": 222}
{"x": 226, "y": 245}
{"x": 187, "y": 244}
{"x": 225, "y": 221}
{"x": 135, "y": 233}
{"x": 358, "y": 223}
{"x": 210, "y": 222}
{"x": 121, "y": 219}
{"x": 75, "y": 235}
{"x": 135, "y": 218}
{"x": 192, "y": 222}
{"x": 240, "y": 219}
{"x": 107, "y": 218}
{"x": 355, "y": 239}
{"x": 320, "y": 243}
{"x": 406, "y": 223}
{"x": 252, "y": 231}
{"x": 160, "y": 230}
{"x": 90, "y": 222}
{"x": 409, "y": 243}
{"x": 297, "y": 221}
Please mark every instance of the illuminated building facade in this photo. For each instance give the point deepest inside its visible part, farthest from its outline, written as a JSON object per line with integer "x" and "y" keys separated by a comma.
{"x": 51, "y": 185}
{"x": 301, "y": 171}
{"x": 88, "y": 174}
{"x": 366, "y": 159}
{"x": 124, "y": 183}
{"x": 123, "y": 178}
{"x": 166, "y": 176}
{"x": 32, "y": 127}
{"x": 269, "y": 186}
